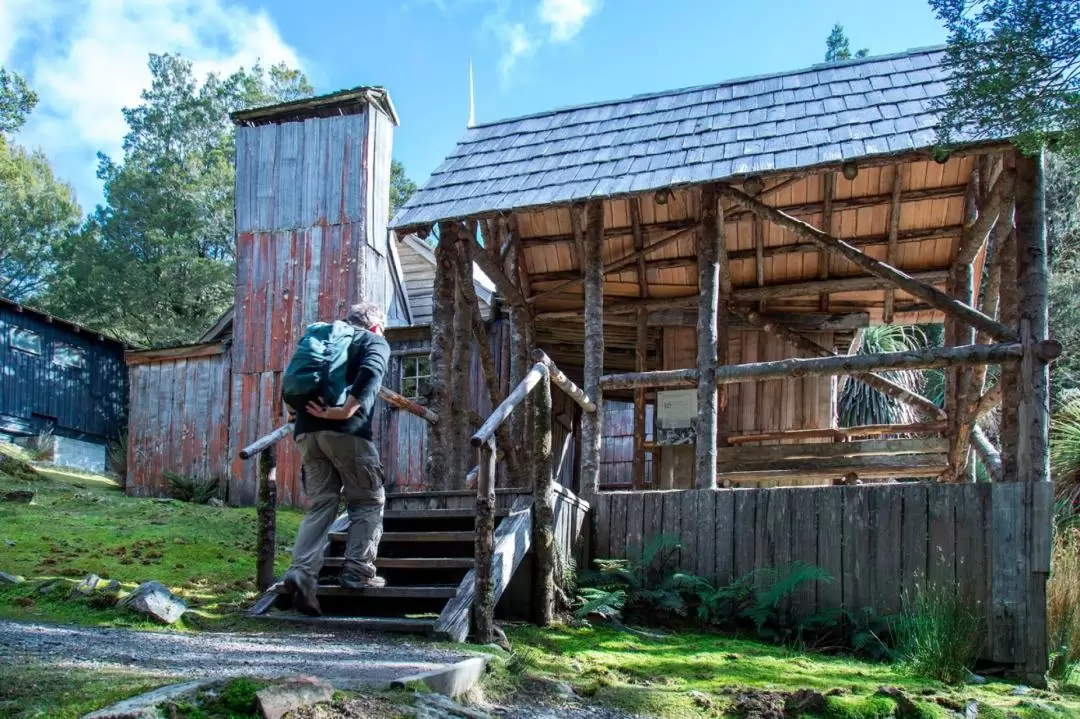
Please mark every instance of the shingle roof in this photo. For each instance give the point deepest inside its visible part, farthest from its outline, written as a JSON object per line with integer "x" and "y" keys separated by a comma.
{"x": 823, "y": 114}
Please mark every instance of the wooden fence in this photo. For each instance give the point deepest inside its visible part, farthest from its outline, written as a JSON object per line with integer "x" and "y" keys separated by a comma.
{"x": 990, "y": 542}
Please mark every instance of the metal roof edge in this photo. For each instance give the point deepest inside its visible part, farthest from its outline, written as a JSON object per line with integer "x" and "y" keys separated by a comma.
{"x": 74, "y": 326}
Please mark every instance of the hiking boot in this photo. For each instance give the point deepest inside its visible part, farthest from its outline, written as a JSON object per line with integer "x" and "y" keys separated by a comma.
{"x": 356, "y": 580}
{"x": 303, "y": 594}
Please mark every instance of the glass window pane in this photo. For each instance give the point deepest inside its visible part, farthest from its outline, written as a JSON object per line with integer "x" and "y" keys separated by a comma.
{"x": 68, "y": 356}
{"x": 25, "y": 340}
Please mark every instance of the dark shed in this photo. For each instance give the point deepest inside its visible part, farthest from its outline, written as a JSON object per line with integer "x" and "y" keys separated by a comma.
{"x": 60, "y": 377}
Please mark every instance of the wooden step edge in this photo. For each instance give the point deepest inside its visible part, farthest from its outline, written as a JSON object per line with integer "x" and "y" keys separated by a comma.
{"x": 387, "y": 537}
{"x": 391, "y": 592}
{"x": 467, "y": 512}
{"x": 393, "y": 625}
{"x": 411, "y": 562}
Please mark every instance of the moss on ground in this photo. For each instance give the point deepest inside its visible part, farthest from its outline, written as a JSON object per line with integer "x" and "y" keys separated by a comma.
{"x": 81, "y": 523}
{"x": 67, "y": 692}
{"x": 703, "y": 675}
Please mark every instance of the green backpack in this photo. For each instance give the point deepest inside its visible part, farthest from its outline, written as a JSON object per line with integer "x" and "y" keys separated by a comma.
{"x": 317, "y": 368}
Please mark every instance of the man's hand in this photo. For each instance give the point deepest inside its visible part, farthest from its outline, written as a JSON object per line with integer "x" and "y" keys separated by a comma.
{"x": 333, "y": 413}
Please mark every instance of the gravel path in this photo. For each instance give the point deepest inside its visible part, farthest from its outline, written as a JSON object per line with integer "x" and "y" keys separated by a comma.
{"x": 345, "y": 659}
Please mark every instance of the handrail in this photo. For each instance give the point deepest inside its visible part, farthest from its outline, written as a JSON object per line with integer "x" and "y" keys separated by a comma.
{"x": 396, "y": 400}
{"x": 507, "y": 406}
{"x": 266, "y": 441}
{"x": 564, "y": 383}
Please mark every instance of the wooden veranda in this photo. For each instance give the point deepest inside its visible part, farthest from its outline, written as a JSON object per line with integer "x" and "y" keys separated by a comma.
{"x": 733, "y": 240}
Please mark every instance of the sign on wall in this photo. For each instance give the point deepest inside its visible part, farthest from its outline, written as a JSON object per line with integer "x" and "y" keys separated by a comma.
{"x": 676, "y": 416}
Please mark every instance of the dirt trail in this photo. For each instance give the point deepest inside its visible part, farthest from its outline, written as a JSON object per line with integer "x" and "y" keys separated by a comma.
{"x": 345, "y": 659}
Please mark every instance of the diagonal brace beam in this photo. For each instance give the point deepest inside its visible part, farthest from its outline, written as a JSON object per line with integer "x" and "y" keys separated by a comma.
{"x": 933, "y": 296}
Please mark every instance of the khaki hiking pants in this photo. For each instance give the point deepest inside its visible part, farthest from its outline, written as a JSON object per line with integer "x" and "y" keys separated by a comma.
{"x": 334, "y": 462}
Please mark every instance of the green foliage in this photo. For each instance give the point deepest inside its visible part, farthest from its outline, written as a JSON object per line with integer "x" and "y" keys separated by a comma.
{"x": 37, "y": 213}
{"x": 116, "y": 457}
{"x": 401, "y": 187}
{"x": 938, "y": 635}
{"x": 860, "y": 404}
{"x": 1013, "y": 71}
{"x": 196, "y": 490}
{"x": 17, "y": 100}
{"x": 42, "y": 446}
{"x": 644, "y": 586}
{"x": 838, "y": 47}
{"x": 1063, "y": 598}
{"x": 154, "y": 264}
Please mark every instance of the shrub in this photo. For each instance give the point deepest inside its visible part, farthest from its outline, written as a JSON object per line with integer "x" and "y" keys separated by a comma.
{"x": 1063, "y": 605}
{"x": 117, "y": 456}
{"x": 191, "y": 489}
{"x": 647, "y": 585}
{"x": 41, "y": 447}
{"x": 938, "y": 635}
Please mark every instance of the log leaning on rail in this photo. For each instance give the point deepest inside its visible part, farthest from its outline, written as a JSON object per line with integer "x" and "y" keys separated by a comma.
{"x": 843, "y": 364}
{"x": 563, "y": 382}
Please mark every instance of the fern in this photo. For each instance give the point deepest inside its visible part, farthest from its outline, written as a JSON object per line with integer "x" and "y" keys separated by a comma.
{"x": 603, "y": 603}
{"x": 191, "y": 489}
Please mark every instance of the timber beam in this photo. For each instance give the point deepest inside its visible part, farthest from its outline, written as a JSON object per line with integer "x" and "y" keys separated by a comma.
{"x": 937, "y": 357}
{"x": 927, "y": 293}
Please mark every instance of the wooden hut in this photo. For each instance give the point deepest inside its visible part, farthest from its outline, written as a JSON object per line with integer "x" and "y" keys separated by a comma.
{"x": 712, "y": 252}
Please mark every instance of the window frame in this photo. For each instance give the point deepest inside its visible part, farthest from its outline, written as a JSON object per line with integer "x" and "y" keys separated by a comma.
{"x": 13, "y": 331}
{"x": 409, "y": 372}
{"x": 77, "y": 351}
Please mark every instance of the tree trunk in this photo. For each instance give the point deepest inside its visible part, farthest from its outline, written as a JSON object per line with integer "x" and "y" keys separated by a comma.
{"x": 591, "y": 424}
{"x": 710, "y": 235}
{"x": 266, "y": 541}
{"x": 442, "y": 328}
{"x": 484, "y": 548}
{"x": 460, "y": 390}
{"x": 543, "y": 502}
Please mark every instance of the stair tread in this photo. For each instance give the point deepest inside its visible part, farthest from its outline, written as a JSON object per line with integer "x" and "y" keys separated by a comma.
{"x": 411, "y": 562}
{"x": 468, "y": 512}
{"x": 393, "y": 591}
{"x": 413, "y": 537}
{"x": 404, "y": 625}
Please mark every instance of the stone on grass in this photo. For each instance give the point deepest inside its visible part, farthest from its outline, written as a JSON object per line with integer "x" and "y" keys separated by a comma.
{"x": 19, "y": 496}
{"x": 10, "y": 579}
{"x": 973, "y": 678}
{"x": 155, "y": 600}
{"x": 277, "y": 700}
{"x": 215, "y": 502}
{"x": 1020, "y": 690}
{"x": 10, "y": 542}
{"x": 86, "y": 587}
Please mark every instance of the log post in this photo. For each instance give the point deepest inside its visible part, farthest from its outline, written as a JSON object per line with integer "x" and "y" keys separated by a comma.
{"x": 1010, "y": 374}
{"x": 710, "y": 236}
{"x": 442, "y": 329}
{"x": 484, "y": 548}
{"x": 828, "y": 183}
{"x": 543, "y": 501}
{"x": 460, "y": 361}
{"x": 894, "y": 235}
{"x": 266, "y": 541}
{"x": 591, "y": 423}
{"x": 640, "y": 356}
{"x": 1033, "y": 466}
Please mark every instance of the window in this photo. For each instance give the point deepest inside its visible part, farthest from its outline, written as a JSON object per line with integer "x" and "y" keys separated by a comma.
{"x": 68, "y": 356}
{"x": 25, "y": 340}
{"x": 415, "y": 376}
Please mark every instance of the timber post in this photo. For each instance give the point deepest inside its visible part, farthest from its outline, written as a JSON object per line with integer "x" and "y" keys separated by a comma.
{"x": 708, "y": 254}
{"x": 592, "y": 423}
{"x": 437, "y": 469}
{"x": 266, "y": 540}
{"x": 543, "y": 501}
{"x": 1032, "y": 447}
{"x": 484, "y": 546}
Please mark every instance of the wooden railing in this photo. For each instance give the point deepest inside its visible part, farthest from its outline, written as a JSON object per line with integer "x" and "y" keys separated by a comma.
{"x": 537, "y": 381}
{"x": 266, "y": 507}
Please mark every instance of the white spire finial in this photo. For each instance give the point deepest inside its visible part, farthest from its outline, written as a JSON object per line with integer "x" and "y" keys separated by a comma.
{"x": 472, "y": 108}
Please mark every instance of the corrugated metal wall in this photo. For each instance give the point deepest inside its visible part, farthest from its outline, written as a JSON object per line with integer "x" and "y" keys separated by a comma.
{"x": 312, "y": 199}
{"x": 35, "y": 391}
{"x": 179, "y": 421}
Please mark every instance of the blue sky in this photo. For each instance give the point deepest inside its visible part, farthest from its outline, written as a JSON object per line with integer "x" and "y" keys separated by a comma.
{"x": 83, "y": 56}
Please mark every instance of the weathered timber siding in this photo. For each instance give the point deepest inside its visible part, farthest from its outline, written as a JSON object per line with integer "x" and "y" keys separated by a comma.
{"x": 312, "y": 201}
{"x": 877, "y": 542}
{"x": 617, "y": 445}
{"x": 179, "y": 422}
{"x": 89, "y": 402}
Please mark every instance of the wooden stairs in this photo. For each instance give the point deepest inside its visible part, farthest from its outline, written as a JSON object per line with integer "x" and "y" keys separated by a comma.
{"x": 426, "y": 555}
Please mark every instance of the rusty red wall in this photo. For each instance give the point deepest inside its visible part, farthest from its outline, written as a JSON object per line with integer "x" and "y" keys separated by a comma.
{"x": 312, "y": 199}
{"x": 179, "y": 421}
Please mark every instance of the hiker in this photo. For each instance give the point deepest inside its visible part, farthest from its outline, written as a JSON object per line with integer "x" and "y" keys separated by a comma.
{"x": 332, "y": 382}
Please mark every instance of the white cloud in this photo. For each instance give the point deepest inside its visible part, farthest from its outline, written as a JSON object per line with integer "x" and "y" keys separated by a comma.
{"x": 89, "y": 61}
{"x": 565, "y": 18}
{"x": 516, "y": 45}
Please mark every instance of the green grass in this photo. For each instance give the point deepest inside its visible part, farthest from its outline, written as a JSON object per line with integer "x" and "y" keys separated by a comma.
{"x": 67, "y": 693}
{"x": 80, "y": 523}
{"x": 698, "y": 674}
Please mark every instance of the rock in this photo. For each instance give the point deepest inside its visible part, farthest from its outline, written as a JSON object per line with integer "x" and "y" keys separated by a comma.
{"x": 10, "y": 542}
{"x": 971, "y": 711}
{"x": 973, "y": 678}
{"x": 10, "y": 579}
{"x": 564, "y": 690}
{"x": 277, "y": 700}
{"x": 905, "y": 707}
{"x": 215, "y": 502}
{"x": 437, "y": 706}
{"x": 111, "y": 587}
{"x": 155, "y": 600}
{"x": 702, "y": 699}
{"x": 145, "y": 706}
{"x": 86, "y": 587}
{"x": 1020, "y": 691}
{"x": 805, "y": 701}
{"x": 19, "y": 496}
